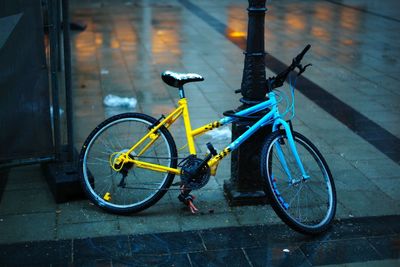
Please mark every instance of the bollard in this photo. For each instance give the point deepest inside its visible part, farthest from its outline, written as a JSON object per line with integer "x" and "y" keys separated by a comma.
{"x": 245, "y": 186}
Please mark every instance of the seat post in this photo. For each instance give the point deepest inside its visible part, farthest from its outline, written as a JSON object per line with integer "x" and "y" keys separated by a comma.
{"x": 181, "y": 92}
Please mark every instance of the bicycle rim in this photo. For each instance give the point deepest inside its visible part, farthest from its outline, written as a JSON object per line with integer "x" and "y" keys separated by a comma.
{"x": 142, "y": 187}
{"x": 308, "y": 205}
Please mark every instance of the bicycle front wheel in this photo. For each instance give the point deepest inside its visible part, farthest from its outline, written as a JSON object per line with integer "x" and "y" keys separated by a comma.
{"x": 130, "y": 189}
{"x": 306, "y": 204}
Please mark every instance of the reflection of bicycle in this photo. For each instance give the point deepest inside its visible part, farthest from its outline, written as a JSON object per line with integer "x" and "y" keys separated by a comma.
{"x": 129, "y": 161}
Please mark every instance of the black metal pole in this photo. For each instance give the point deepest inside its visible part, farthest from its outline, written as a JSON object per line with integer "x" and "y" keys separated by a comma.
{"x": 58, "y": 25}
{"x": 67, "y": 73}
{"x": 253, "y": 80}
{"x": 54, "y": 79}
{"x": 62, "y": 175}
{"x": 245, "y": 185}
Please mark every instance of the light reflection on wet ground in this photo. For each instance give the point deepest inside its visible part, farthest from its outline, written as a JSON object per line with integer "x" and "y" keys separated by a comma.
{"x": 129, "y": 43}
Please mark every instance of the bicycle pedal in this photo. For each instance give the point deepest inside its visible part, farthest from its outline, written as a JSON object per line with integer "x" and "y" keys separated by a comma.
{"x": 192, "y": 207}
{"x": 107, "y": 196}
{"x": 186, "y": 198}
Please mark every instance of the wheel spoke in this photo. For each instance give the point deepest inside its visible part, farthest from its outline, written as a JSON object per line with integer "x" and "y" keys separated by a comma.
{"x": 141, "y": 186}
{"x": 309, "y": 204}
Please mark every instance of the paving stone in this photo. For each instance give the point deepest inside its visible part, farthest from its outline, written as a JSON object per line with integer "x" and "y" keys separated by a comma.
{"x": 359, "y": 228}
{"x": 219, "y": 258}
{"x": 27, "y": 201}
{"x": 37, "y": 253}
{"x": 166, "y": 243}
{"x": 388, "y": 247}
{"x": 206, "y": 219}
{"x": 339, "y": 251}
{"x": 25, "y": 178}
{"x": 27, "y": 227}
{"x": 363, "y": 203}
{"x": 283, "y": 255}
{"x": 357, "y": 151}
{"x": 352, "y": 180}
{"x": 81, "y": 212}
{"x": 104, "y": 248}
{"x": 382, "y": 263}
{"x": 234, "y": 238}
{"x": 387, "y": 186}
{"x": 392, "y": 222}
{"x": 153, "y": 260}
{"x": 88, "y": 229}
{"x": 377, "y": 168}
{"x": 268, "y": 235}
{"x": 159, "y": 218}
{"x": 249, "y": 215}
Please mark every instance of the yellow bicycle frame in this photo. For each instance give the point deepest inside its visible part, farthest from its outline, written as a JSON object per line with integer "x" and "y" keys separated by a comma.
{"x": 152, "y": 136}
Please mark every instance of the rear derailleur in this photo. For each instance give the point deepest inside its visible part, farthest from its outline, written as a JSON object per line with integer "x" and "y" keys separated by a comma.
{"x": 122, "y": 165}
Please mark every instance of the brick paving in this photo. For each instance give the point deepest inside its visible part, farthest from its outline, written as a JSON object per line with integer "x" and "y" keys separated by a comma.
{"x": 351, "y": 113}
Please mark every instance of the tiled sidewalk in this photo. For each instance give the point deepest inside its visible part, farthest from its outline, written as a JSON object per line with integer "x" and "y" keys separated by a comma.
{"x": 351, "y": 121}
{"x": 126, "y": 46}
{"x": 373, "y": 241}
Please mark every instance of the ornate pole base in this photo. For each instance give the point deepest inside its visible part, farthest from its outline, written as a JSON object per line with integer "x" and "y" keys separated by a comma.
{"x": 246, "y": 184}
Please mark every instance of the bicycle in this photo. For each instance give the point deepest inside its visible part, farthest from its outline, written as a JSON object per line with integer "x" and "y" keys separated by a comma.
{"x": 129, "y": 161}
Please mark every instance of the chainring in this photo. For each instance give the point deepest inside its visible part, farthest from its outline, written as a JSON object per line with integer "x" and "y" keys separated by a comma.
{"x": 197, "y": 181}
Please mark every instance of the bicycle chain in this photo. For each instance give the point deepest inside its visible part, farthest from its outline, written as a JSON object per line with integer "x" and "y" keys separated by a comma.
{"x": 138, "y": 157}
{"x": 175, "y": 184}
{"x": 169, "y": 189}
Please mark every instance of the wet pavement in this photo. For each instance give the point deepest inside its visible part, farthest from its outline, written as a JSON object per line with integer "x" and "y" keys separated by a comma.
{"x": 374, "y": 240}
{"x": 348, "y": 104}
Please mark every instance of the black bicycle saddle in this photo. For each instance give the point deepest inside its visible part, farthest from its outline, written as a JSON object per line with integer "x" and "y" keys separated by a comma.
{"x": 179, "y": 79}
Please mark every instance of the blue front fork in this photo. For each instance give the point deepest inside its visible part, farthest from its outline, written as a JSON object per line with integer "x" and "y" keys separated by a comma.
{"x": 293, "y": 149}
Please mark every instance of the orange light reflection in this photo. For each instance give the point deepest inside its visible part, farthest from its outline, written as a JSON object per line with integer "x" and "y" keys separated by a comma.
{"x": 165, "y": 38}
{"x": 323, "y": 13}
{"x": 236, "y": 26}
{"x": 296, "y": 22}
{"x": 320, "y": 33}
{"x": 349, "y": 19}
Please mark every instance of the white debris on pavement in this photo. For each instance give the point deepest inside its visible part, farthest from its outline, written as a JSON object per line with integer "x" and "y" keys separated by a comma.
{"x": 224, "y": 133}
{"x": 104, "y": 71}
{"x": 116, "y": 101}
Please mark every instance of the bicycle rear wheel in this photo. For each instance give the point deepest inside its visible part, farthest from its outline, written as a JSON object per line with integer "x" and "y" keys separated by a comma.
{"x": 307, "y": 205}
{"x": 141, "y": 188}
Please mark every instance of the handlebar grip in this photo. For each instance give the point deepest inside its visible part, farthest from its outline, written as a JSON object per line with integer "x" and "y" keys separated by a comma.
{"x": 279, "y": 79}
{"x": 300, "y": 56}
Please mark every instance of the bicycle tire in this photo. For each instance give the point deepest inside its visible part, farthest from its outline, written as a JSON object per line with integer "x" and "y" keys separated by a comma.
{"x": 142, "y": 188}
{"x": 318, "y": 198}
